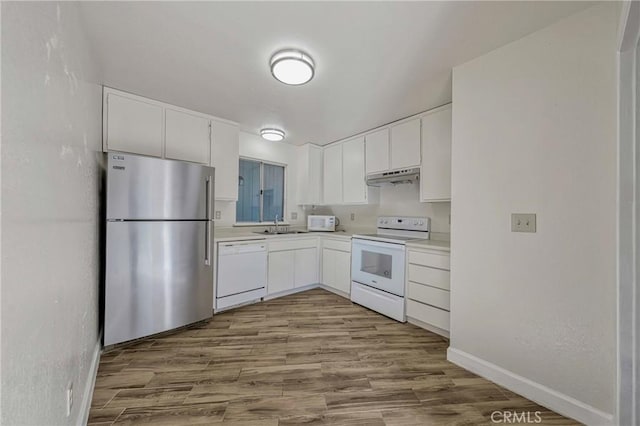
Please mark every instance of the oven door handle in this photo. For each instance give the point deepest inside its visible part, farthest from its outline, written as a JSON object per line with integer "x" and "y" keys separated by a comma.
{"x": 358, "y": 243}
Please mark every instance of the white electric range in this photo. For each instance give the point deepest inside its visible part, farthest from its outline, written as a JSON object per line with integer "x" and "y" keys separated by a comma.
{"x": 378, "y": 264}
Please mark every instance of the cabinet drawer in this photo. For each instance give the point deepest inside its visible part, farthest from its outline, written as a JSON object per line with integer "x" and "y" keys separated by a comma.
{"x": 430, "y": 259}
{"x": 429, "y": 276}
{"x": 428, "y": 314}
{"x": 292, "y": 244}
{"x": 429, "y": 295}
{"x": 337, "y": 245}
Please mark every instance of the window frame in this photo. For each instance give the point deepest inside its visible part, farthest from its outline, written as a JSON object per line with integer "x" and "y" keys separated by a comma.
{"x": 284, "y": 193}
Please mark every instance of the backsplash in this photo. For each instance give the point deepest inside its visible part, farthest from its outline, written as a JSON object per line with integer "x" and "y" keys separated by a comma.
{"x": 399, "y": 200}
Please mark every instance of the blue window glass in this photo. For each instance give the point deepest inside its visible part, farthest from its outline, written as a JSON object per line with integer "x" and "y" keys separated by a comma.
{"x": 260, "y": 192}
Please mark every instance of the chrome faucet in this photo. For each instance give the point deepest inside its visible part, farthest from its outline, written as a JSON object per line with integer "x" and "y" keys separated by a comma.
{"x": 276, "y": 223}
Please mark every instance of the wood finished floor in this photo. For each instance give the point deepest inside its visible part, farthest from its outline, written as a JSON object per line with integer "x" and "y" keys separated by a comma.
{"x": 309, "y": 358}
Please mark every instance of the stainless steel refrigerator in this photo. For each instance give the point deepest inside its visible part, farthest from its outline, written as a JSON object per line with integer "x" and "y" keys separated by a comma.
{"x": 159, "y": 237}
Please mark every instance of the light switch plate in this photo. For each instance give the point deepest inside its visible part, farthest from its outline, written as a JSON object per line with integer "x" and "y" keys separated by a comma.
{"x": 218, "y": 214}
{"x": 523, "y": 222}
{"x": 353, "y": 216}
{"x": 294, "y": 215}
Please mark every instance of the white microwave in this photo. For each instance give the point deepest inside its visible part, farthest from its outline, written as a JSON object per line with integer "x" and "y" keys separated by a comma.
{"x": 321, "y": 223}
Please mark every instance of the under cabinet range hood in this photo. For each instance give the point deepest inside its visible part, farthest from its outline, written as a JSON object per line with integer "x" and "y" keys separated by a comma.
{"x": 394, "y": 177}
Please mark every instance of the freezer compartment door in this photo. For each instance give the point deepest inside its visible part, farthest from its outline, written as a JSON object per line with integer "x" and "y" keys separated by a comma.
{"x": 145, "y": 188}
{"x": 158, "y": 277}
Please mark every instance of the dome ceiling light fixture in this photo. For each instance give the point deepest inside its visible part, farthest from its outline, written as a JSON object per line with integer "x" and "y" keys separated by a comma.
{"x": 271, "y": 134}
{"x": 292, "y": 66}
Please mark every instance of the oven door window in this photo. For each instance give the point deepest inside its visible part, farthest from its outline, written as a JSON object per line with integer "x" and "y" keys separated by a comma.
{"x": 379, "y": 264}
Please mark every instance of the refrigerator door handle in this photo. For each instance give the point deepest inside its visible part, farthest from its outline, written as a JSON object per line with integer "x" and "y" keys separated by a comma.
{"x": 208, "y": 198}
{"x": 207, "y": 237}
{"x": 207, "y": 242}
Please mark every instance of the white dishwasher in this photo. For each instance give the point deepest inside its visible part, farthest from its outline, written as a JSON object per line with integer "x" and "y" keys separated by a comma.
{"x": 242, "y": 273}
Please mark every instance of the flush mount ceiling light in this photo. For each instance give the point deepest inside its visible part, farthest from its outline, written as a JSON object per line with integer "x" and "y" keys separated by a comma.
{"x": 292, "y": 67}
{"x": 273, "y": 135}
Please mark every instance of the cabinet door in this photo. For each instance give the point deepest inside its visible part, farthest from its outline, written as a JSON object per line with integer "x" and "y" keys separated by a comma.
{"x": 342, "y": 266}
{"x": 187, "y": 137}
{"x": 309, "y": 184}
{"x": 353, "y": 174}
{"x": 328, "y": 267}
{"x": 281, "y": 271}
{"x": 435, "y": 174}
{"x": 405, "y": 144}
{"x": 333, "y": 174}
{"x": 134, "y": 126}
{"x": 225, "y": 157}
{"x": 315, "y": 175}
{"x": 377, "y": 151}
{"x": 306, "y": 267}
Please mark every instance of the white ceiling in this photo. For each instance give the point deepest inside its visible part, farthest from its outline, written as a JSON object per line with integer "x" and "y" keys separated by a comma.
{"x": 376, "y": 62}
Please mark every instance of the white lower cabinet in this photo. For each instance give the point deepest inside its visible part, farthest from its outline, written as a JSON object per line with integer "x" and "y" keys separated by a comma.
{"x": 292, "y": 264}
{"x": 306, "y": 267}
{"x": 281, "y": 274}
{"x": 428, "y": 296}
{"x": 336, "y": 269}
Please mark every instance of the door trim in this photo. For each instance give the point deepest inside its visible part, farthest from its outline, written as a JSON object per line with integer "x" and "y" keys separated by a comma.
{"x": 628, "y": 239}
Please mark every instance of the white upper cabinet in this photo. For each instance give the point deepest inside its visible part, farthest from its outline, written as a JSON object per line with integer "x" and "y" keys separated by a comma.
{"x": 354, "y": 188}
{"x": 333, "y": 174}
{"x": 377, "y": 151}
{"x": 132, "y": 125}
{"x": 187, "y": 137}
{"x": 345, "y": 175}
{"x": 309, "y": 184}
{"x": 143, "y": 126}
{"x": 435, "y": 174}
{"x": 225, "y": 157}
{"x": 405, "y": 145}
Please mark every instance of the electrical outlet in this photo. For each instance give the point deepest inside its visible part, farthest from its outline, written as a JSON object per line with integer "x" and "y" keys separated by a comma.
{"x": 218, "y": 214}
{"x": 69, "y": 398}
{"x": 294, "y": 215}
{"x": 353, "y": 216}
{"x": 523, "y": 222}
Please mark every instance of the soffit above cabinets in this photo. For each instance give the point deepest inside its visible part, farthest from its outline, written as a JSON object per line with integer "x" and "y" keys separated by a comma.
{"x": 376, "y": 62}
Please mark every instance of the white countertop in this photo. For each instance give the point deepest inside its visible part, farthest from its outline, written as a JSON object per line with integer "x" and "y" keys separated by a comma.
{"x": 430, "y": 244}
{"x": 244, "y": 234}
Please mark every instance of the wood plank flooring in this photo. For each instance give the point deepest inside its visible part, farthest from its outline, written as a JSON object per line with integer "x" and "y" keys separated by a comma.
{"x": 310, "y": 358}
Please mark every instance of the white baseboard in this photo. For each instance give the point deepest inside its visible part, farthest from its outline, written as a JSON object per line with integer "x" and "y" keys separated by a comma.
{"x": 83, "y": 414}
{"x": 429, "y": 327}
{"x": 547, "y": 397}
{"x": 288, "y": 292}
{"x": 335, "y": 291}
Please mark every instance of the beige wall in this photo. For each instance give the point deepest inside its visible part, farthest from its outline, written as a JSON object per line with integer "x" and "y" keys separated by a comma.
{"x": 534, "y": 130}
{"x": 51, "y": 132}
